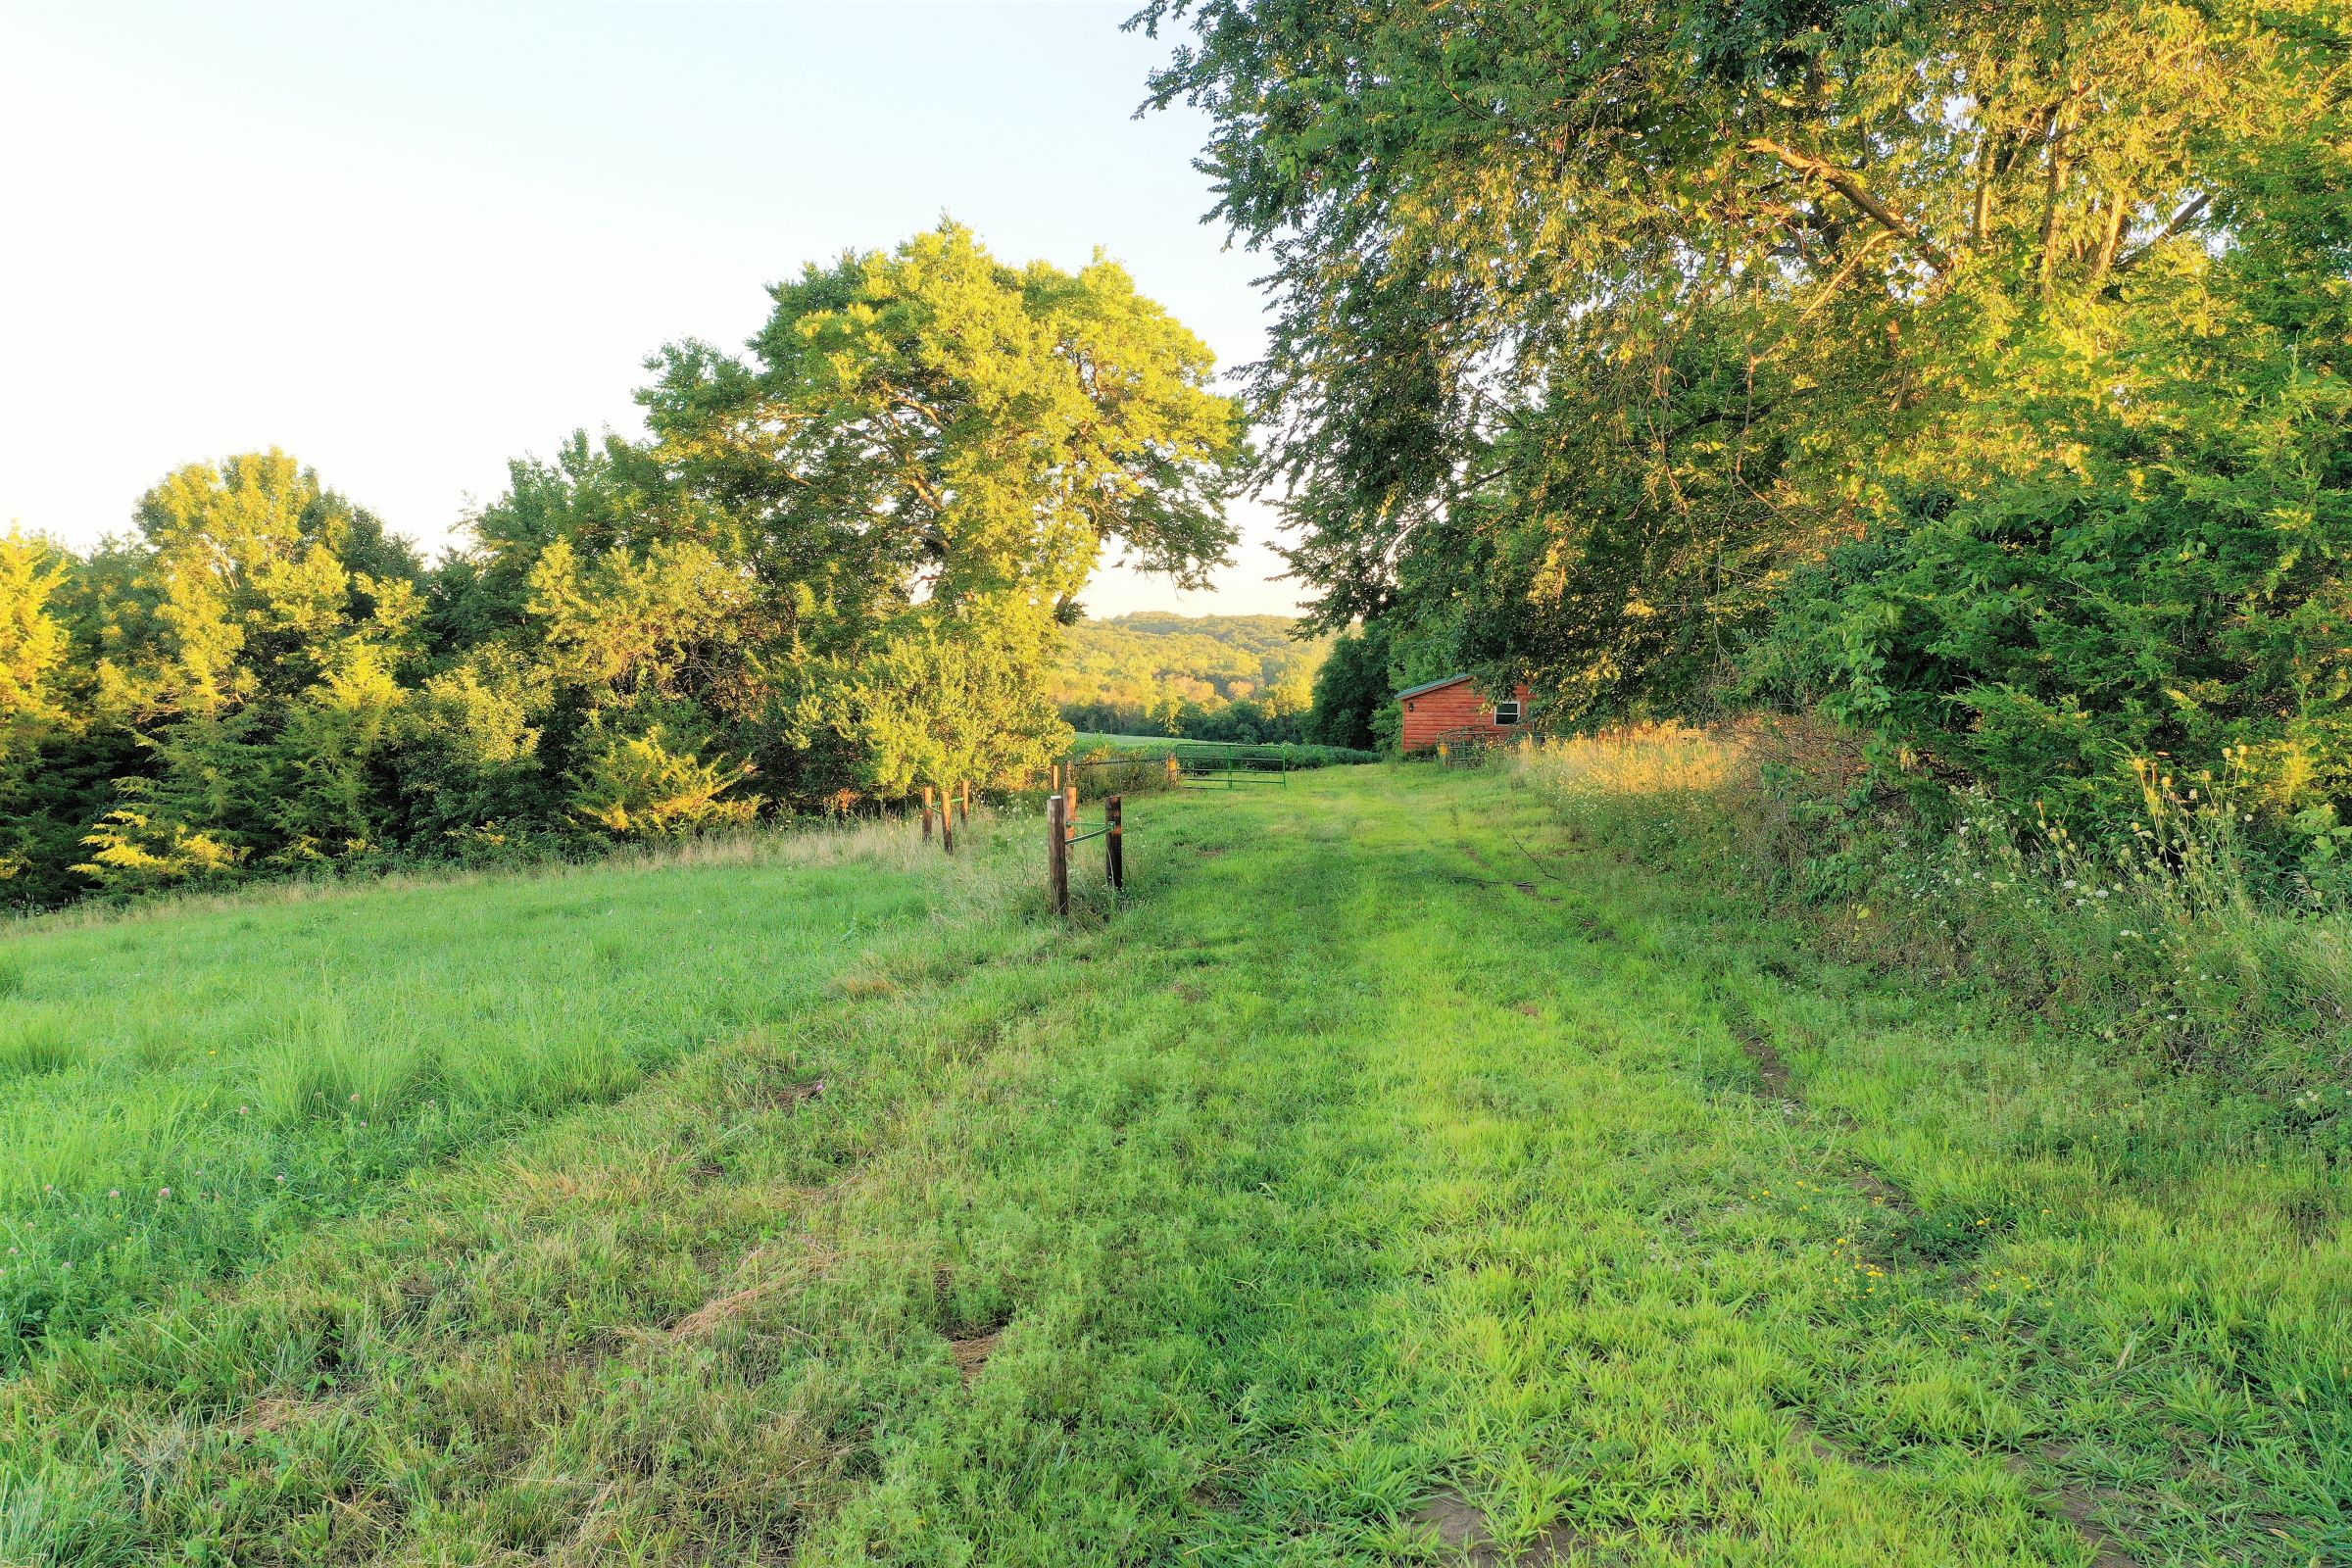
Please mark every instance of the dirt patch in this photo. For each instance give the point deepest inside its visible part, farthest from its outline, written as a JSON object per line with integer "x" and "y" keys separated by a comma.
{"x": 861, "y": 986}
{"x": 1461, "y": 1526}
{"x": 1756, "y": 1043}
{"x": 277, "y": 1412}
{"x": 793, "y": 1095}
{"x": 971, "y": 1340}
{"x": 1531, "y": 1009}
{"x": 2079, "y": 1507}
{"x": 1879, "y": 1191}
{"x": 1592, "y": 928}
{"x": 1822, "y": 1448}
{"x": 1209, "y": 1494}
{"x": 971, "y": 1355}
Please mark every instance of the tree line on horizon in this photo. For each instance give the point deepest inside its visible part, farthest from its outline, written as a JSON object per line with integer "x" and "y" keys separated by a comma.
{"x": 1247, "y": 678}
{"x": 836, "y": 569}
{"x": 1971, "y": 376}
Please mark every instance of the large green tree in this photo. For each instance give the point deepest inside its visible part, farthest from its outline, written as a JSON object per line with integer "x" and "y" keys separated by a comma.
{"x": 1353, "y": 690}
{"x": 928, "y": 443}
{"x": 255, "y": 580}
{"x": 1597, "y": 326}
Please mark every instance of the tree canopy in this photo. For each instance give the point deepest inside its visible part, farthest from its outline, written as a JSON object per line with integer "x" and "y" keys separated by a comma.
{"x": 1975, "y": 370}
{"x": 835, "y": 569}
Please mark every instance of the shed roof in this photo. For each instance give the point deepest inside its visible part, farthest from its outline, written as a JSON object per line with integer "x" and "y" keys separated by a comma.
{"x": 1431, "y": 686}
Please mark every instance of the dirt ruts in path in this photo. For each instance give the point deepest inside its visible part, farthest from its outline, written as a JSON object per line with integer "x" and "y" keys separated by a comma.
{"x": 1461, "y": 1526}
{"x": 2076, "y": 1505}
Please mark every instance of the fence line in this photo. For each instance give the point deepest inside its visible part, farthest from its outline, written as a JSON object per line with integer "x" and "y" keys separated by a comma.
{"x": 1061, "y": 832}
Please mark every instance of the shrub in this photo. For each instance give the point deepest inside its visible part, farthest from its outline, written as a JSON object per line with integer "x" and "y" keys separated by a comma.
{"x": 658, "y": 785}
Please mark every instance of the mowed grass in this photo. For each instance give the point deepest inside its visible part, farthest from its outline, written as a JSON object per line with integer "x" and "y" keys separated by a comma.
{"x": 1295, "y": 754}
{"x": 1389, "y": 1180}
{"x": 182, "y": 1088}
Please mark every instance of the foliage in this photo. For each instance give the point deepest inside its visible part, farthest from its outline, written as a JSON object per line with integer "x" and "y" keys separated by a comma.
{"x": 136, "y": 847}
{"x": 1352, "y": 691}
{"x": 839, "y": 566}
{"x": 2164, "y": 940}
{"x": 255, "y": 583}
{"x": 1211, "y": 678}
{"x": 952, "y": 702}
{"x": 2172, "y": 592}
{"x": 32, "y": 645}
{"x": 646, "y": 781}
{"x": 1209, "y": 752}
{"x": 2009, "y": 337}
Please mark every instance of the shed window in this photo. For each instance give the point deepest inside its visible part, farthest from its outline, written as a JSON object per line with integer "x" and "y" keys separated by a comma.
{"x": 1506, "y": 712}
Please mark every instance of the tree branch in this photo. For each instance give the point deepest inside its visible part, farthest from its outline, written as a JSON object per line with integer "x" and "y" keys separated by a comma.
{"x": 1849, "y": 185}
{"x": 2186, "y": 216}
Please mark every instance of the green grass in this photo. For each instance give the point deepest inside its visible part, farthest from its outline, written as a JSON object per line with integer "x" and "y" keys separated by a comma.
{"x": 181, "y": 1090}
{"x": 1296, "y": 754}
{"x": 1389, "y": 1175}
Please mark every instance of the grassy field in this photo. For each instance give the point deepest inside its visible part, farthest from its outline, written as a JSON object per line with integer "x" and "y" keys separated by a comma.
{"x": 1292, "y": 753}
{"x": 1390, "y": 1180}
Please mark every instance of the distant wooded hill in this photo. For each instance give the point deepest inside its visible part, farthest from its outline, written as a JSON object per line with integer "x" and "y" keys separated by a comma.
{"x": 1212, "y": 677}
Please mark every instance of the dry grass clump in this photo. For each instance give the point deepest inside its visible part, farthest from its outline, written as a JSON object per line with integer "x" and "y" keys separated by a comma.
{"x": 1635, "y": 760}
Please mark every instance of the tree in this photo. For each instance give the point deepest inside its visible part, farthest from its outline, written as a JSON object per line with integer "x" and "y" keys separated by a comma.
{"x": 929, "y": 438}
{"x": 1597, "y": 328}
{"x": 36, "y": 708}
{"x": 952, "y": 701}
{"x": 842, "y": 564}
{"x": 1351, "y": 689}
{"x": 33, "y": 646}
{"x": 255, "y": 582}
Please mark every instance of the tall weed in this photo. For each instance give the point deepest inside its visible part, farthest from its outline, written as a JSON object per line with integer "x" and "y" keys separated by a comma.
{"x": 2175, "y": 938}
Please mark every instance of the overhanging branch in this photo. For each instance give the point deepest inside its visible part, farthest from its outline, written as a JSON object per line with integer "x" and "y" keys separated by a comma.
{"x": 1849, "y": 185}
{"x": 2186, "y": 216}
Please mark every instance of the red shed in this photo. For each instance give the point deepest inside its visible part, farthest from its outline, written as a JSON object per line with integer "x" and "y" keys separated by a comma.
{"x": 1446, "y": 709}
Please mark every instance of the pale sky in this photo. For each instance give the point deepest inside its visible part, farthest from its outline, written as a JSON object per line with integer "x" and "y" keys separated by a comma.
{"x": 406, "y": 242}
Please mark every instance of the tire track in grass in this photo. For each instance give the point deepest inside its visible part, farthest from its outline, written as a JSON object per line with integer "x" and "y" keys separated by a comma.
{"x": 1778, "y": 1087}
{"x": 2073, "y": 1503}
{"x": 1456, "y": 1510}
{"x": 1197, "y": 1166}
{"x": 1935, "y": 1253}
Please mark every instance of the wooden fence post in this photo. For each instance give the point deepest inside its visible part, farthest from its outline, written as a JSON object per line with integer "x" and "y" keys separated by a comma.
{"x": 1055, "y": 776}
{"x": 966, "y": 812}
{"x": 1069, "y": 796}
{"x": 926, "y": 813}
{"x": 1057, "y": 857}
{"x": 1115, "y": 836}
{"x": 1175, "y": 772}
{"x": 947, "y": 822}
